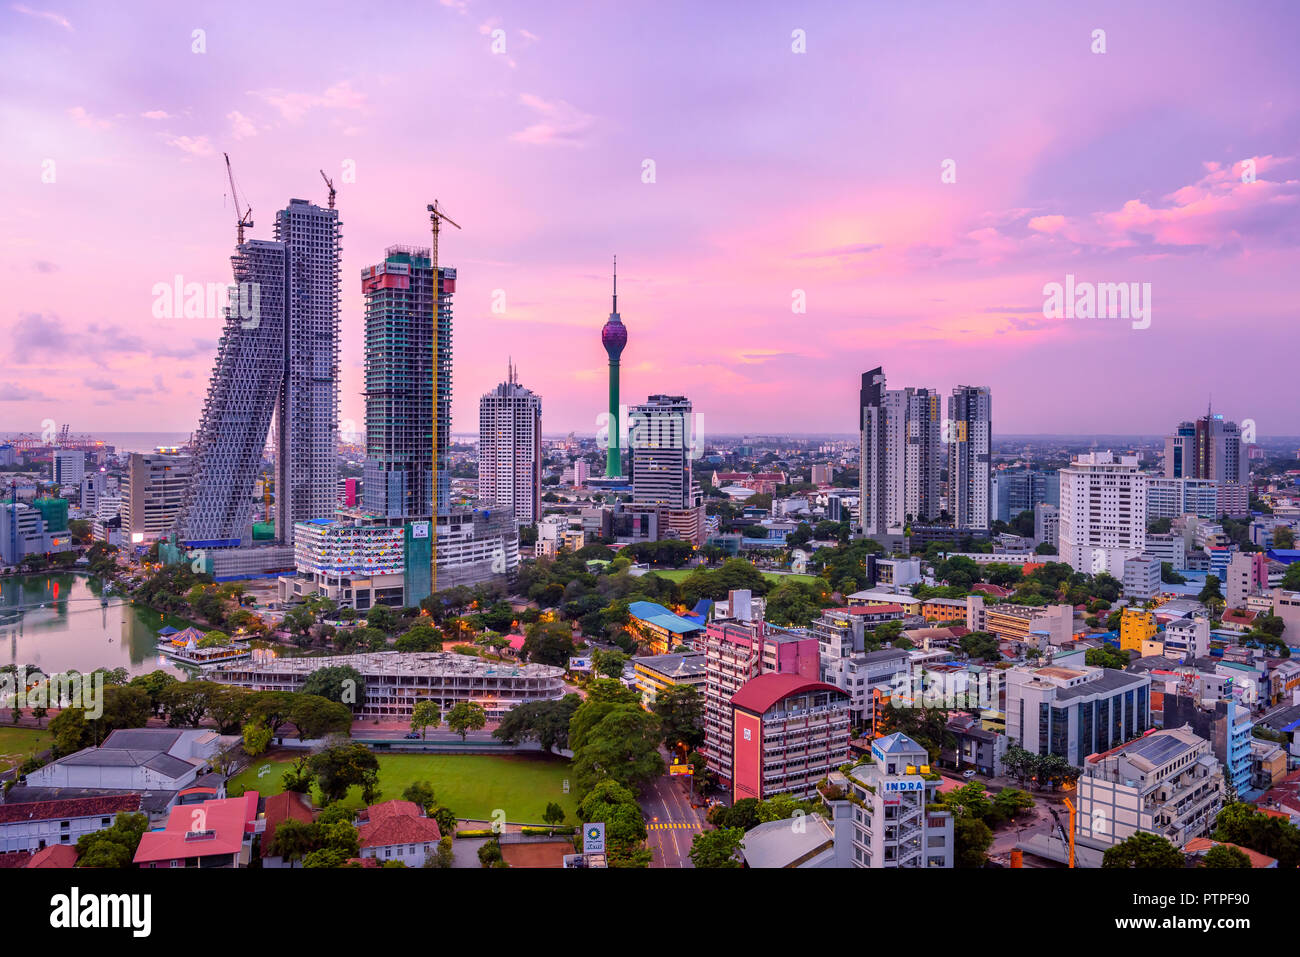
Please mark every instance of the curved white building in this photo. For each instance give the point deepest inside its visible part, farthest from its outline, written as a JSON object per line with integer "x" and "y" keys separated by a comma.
{"x": 395, "y": 681}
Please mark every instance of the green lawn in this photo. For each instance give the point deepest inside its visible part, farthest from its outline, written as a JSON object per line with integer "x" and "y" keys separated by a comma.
{"x": 17, "y": 743}
{"x": 472, "y": 785}
{"x": 677, "y": 574}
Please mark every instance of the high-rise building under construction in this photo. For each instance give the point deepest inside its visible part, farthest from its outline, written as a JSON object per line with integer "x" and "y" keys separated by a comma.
{"x": 277, "y": 357}
{"x": 399, "y": 298}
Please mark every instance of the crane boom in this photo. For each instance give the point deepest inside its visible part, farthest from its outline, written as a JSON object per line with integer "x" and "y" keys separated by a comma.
{"x": 435, "y": 220}
{"x": 244, "y": 219}
{"x": 330, "y": 183}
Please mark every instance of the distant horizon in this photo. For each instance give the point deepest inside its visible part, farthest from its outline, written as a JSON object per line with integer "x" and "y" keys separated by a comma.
{"x": 889, "y": 190}
{"x": 9, "y": 434}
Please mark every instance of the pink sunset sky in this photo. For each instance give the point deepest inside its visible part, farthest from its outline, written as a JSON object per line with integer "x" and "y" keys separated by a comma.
{"x": 775, "y": 171}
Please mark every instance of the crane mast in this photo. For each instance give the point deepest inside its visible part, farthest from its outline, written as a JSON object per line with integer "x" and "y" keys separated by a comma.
{"x": 435, "y": 217}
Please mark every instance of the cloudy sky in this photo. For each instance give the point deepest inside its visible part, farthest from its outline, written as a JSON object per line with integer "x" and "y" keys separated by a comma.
{"x": 1173, "y": 158}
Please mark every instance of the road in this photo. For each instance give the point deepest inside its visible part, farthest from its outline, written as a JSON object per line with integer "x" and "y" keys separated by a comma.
{"x": 671, "y": 822}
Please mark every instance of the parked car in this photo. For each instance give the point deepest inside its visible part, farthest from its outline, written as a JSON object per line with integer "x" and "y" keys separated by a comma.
{"x": 968, "y": 774}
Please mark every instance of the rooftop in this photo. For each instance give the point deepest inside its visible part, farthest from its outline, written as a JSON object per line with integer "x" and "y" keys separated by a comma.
{"x": 655, "y": 614}
{"x": 673, "y": 666}
{"x": 760, "y": 694}
{"x": 225, "y": 824}
{"x": 102, "y": 806}
{"x": 781, "y": 844}
{"x": 1109, "y": 680}
{"x": 395, "y": 663}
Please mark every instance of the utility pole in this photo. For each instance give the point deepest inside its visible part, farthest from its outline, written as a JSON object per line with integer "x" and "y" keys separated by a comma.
{"x": 435, "y": 217}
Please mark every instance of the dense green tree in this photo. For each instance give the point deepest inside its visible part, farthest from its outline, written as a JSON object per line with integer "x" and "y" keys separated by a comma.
{"x": 623, "y": 745}
{"x": 681, "y": 710}
{"x": 341, "y": 683}
{"x": 466, "y": 716}
{"x": 424, "y": 714}
{"x": 421, "y": 636}
{"x": 546, "y": 722}
{"x": 980, "y": 644}
{"x": 257, "y": 737}
{"x": 1143, "y": 850}
{"x": 1223, "y": 855}
{"x": 609, "y": 663}
{"x": 316, "y": 717}
{"x": 421, "y": 793}
{"x": 717, "y": 848}
{"x": 625, "y": 831}
{"x": 972, "y": 839}
{"x": 340, "y": 767}
{"x": 1243, "y": 824}
{"x": 114, "y": 846}
{"x": 548, "y": 643}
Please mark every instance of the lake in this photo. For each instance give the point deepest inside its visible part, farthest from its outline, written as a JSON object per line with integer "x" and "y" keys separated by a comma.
{"x": 74, "y": 630}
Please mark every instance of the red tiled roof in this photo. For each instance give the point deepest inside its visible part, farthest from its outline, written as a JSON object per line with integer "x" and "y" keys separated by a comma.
{"x": 229, "y": 819}
{"x": 397, "y": 822}
{"x": 73, "y": 807}
{"x": 288, "y": 805}
{"x": 874, "y": 609}
{"x": 1198, "y": 845}
{"x": 988, "y": 589}
{"x": 56, "y": 855}
{"x": 386, "y": 809}
{"x": 759, "y": 694}
{"x": 10, "y": 859}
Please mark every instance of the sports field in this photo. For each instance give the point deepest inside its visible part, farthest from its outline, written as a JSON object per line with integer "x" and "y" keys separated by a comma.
{"x": 17, "y": 743}
{"x": 472, "y": 785}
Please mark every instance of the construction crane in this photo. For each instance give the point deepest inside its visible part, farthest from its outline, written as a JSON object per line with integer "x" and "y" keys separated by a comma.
{"x": 435, "y": 221}
{"x": 330, "y": 183}
{"x": 246, "y": 219}
{"x": 1065, "y": 841}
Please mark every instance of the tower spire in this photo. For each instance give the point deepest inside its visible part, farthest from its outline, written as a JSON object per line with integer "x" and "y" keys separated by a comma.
{"x": 615, "y": 310}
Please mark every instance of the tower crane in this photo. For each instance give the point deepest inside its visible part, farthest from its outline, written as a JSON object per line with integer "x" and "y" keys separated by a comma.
{"x": 246, "y": 219}
{"x": 330, "y": 183}
{"x": 436, "y": 216}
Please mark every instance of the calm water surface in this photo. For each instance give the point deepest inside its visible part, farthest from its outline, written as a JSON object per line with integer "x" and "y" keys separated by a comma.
{"x": 74, "y": 630}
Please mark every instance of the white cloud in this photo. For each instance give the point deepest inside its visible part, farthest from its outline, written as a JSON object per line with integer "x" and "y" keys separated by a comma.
{"x": 50, "y": 15}
{"x": 84, "y": 119}
{"x": 294, "y": 106}
{"x": 194, "y": 145}
{"x": 559, "y": 123}
{"x": 240, "y": 125}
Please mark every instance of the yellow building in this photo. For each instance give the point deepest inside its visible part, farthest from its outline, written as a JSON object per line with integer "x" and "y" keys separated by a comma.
{"x": 1136, "y": 625}
{"x": 944, "y": 609}
{"x": 655, "y": 673}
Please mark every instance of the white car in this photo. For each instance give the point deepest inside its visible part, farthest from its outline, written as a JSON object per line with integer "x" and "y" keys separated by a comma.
{"x": 968, "y": 774}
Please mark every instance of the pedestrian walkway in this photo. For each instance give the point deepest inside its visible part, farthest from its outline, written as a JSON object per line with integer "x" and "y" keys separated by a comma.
{"x": 689, "y": 825}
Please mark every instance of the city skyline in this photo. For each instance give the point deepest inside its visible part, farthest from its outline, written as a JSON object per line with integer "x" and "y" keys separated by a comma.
{"x": 754, "y": 201}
